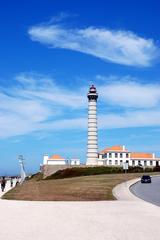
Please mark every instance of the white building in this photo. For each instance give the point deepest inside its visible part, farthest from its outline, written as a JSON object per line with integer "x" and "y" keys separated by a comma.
{"x": 117, "y": 155}
{"x": 58, "y": 160}
{"x": 74, "y": 161}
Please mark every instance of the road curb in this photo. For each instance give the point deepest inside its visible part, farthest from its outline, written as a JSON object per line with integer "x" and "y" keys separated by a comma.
{"x": 122, "y": 191}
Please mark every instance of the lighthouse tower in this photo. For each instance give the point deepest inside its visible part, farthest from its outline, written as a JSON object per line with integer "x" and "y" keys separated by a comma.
{"x": 92, "y": 147}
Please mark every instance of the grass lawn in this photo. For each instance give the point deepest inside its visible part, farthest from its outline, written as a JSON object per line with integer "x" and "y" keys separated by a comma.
{"x": 88, "y": 188}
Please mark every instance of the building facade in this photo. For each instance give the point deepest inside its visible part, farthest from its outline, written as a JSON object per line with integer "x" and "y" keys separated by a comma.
{"x": 58, "y": 160}
{"x": 118, "y": 155}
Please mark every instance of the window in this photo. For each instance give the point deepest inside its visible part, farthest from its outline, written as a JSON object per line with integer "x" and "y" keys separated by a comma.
{"x": 110, "y": 155}
{"x": 116, "y": 155}
{"x": 121, "y": 162}
{"x": 127, "y": 161}
{"x": 151, "y": 163}
{"x": 121, "y": 155}
{"x": 145, "y": 163}
{"x": 110, "y": 162}
{"x": 127, "y": 155}
{"x": 133, "y": 163}
{"x": 139, "y": 162}
{"x": 116, "y": 162}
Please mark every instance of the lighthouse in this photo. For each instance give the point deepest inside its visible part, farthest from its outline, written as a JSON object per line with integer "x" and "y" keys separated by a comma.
{"x": 92, "y": 146}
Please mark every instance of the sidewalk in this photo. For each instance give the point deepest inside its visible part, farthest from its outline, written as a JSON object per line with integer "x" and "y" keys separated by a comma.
{"x": 7, "y": 188}
{"x": 105, "y": 220}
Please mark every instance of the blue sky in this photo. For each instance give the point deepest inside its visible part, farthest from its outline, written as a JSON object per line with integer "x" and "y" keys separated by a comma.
{"x": 51, "y": 51}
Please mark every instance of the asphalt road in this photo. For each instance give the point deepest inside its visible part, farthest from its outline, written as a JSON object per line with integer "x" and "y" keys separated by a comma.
{"x": 149, "y": 192}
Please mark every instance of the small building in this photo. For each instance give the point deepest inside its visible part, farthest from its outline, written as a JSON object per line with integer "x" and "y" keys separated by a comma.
{"x": 58, "y": 160}
{"x": 118, "y": 155}
{"x": 53, "y": 160}
{"x": 75, "y": 161}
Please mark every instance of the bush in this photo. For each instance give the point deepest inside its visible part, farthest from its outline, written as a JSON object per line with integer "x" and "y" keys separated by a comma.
{"x": 37, "y": 176}
{"x": 84, "y": 171}
{"x": 156, "y": 169}
{"x": 87, "y": 171}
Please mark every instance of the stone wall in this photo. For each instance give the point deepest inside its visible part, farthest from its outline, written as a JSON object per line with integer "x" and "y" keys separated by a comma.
{"x": 47, "y": 170}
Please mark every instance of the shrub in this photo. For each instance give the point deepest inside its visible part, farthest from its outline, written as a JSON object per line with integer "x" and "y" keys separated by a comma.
{"x": 84, "y": 171}
{"x": 37, "y": 176}
{"x": 156, "y": 169}
{"x": 87, "y": 171}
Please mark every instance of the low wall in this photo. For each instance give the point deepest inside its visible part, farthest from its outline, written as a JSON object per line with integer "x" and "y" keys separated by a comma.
{"x": 47, "y": 170}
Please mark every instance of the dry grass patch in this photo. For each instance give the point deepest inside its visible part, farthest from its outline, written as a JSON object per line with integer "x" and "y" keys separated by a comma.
{"x": 88, "y": 188}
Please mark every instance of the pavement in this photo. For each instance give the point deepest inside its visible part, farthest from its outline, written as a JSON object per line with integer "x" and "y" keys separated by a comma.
{"x": 8, "y": 187}
{"x": 129, "y": 218}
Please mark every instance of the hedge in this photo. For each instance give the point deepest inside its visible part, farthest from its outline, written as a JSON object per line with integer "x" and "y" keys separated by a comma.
{"x": 87, "y": 171}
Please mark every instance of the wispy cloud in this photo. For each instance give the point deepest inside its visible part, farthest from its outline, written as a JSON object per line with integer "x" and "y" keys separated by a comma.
{"x": 129, "y": 119}
{"x": 38, "y": 104}
{"x": 128, "y": 92}
{"x": 32, "y": 102}
{"x": 117, "y": 46}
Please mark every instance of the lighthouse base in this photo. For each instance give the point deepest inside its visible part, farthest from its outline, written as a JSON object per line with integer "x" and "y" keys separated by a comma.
{"x": 92, "y": 161}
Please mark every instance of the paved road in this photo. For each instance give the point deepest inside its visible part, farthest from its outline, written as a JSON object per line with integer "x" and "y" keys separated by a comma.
{"x": 148, "y": 192}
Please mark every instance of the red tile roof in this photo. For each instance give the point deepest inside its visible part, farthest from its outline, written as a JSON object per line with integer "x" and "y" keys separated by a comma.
{"x": 56, "y": 157}
{"x": 114, "y": 149}
{"x": 141, "y": 155}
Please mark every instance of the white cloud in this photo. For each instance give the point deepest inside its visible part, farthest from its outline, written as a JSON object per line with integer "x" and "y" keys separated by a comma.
{"x": 34, "y": 103}
{"x": 129, "y": 119}
{"x": 45, "y": 89}
{"x": 37, "y": 104}
{"x": 123, "y": 47}
{"x": 127, "y": 92}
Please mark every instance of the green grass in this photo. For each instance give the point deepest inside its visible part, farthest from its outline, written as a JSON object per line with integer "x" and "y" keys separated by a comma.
{"x": 84, "y": 188}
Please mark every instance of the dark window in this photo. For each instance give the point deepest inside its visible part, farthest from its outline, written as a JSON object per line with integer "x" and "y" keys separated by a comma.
{"x": 127, "y": 155}
{"x": 121, "y": 155}
{"x": 116, "y": 162}
{"x": 110, "y": 162}
{"x": 151, "y": 163}
{"x": 133, "y": 163}
{"x": 116, "y": 155}
{"x": 145, "y": 163}
{"x": 121, "y": 162}
{"x": 110, "y": 154}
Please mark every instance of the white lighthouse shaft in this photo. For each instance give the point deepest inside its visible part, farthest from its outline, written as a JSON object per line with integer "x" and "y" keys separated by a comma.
{"x": 92, "y": 146}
